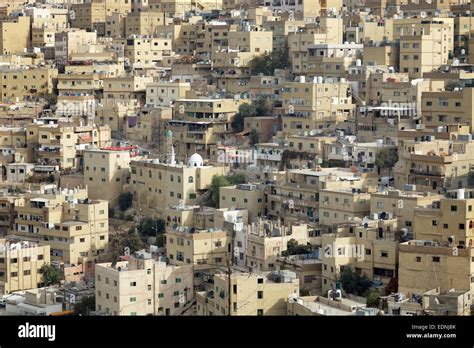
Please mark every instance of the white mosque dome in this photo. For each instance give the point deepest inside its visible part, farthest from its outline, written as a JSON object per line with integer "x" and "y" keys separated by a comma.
{"x": 195, "y": 160}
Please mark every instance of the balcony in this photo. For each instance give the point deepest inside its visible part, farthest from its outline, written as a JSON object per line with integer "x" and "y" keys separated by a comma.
{"x": 426, "y": 173}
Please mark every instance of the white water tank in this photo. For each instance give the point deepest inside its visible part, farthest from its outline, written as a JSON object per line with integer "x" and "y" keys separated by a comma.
{"x": 460, "y": 193}
{"x": 358, "y": 62}
{"x": 302, "y": 79}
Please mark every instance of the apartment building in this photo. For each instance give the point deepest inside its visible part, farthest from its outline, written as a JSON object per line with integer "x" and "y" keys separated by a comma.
{"x": 425, "y": 47}
{"x": 434, "y": 165}
{"x": 73, "y": 226}
{"x": 72, "y": 41}
{"x": 199, "y": 123}
{"x": 92, "y": 15}
{"x": 296, "y": 197}
{"x": 25, "y": 84}
{"x": 262, "y": 293}
{"x": 267, "y": 240}
{"x": 425, "y": 265}
{"x": 204, "y": 249}
{"x": 441, "y": 108}
{"x": 338, "y": 206}
{"x": 369, "y": 247}
{"x": 401, "y": 204}
{"x": 316, "y": 104}
{"x": 231, "y": 64}
{"x": 20, "y": 262}
{"x": 15, "y": 35}
{"x": 146, "y": 51}
{"x": 125, "y": 89}
{"x": 143, "y": 286}
{"x": 244, "y": 196}
{"x": 63, "y": 146}
{"x": 449, "y": 220}
{"x": 145, "y": 23}
{"x": 106, "y": 172}
{"x": 165, "y": 93}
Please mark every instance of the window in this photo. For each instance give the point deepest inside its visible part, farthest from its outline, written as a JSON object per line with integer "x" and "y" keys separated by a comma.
{"x": 163, "y": 282}
{"x": 383, "y": 254}
{"x": 260, "y": 294}
{"x": 133, "y": 299}
{"x": 454, "y": 208}
{"x": 436, "y": 258}
{"x": 259, "y": 311}
{"x": 161, "y": 295}
{"x": 418, "y": 259}
{"x": 133, "y": 283}
{"x": 259, "y": 280}
{"x": 178, "y": 280}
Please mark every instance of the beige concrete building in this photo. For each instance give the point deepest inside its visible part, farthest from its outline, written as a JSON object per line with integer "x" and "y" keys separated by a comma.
{"x": 424, "y": 46}
{"x": 24, "y": 84}
{"x": 165, "y": 93}
{"x": 157, "y": 186}
{"x": 250, "y": 294}
{"x": 74, "y": 227}
{"x": 372, "y": 251}
{"x": 425, "y": 265}
{"x": 338, "y": 206}
{"x": 266, "y": 241}
{"x": 106, "y": 172}
{"x": 199, "y": 123}
{"x": 204, "y": 249}
{"x": 315, "y": 105}
{"x": 143, "y": 286}
{"x": 433, "y": 164}
{"x": 15, "y": 34}
{"x": 244, "y": 196}
{"x": 20, "y": 262}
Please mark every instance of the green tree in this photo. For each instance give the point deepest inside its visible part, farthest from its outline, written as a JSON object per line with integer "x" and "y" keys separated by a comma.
{"x": 150, "y": 227}
{"x": 244, "y": 111}
{"x": 125, "y": 200}
{"x": 217, "y": 182}
{"x": 132, "y": 241}
{"x": 254, "y": 137}
{"x": 293, "y": 248}
{"x": 266, "y": 63}
{"x": 236, "y": 179}
{"x": 51, "y": 275}
{"x": 354, "y": 283}
{"x": 85, "y": 305}
{"x": 373, "y": 299}
{"x": 386, "y": 158}
{"x": 262, "y": 106}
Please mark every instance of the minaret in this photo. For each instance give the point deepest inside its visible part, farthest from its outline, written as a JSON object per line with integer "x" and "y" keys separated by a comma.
{"x": 170, "y": 156}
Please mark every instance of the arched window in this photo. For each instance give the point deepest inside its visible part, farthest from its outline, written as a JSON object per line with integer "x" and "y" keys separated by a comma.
{"x": 190, "y": 180}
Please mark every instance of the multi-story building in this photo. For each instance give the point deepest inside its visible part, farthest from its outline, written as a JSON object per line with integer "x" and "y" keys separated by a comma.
{"x": 157, "y": 186}
{"x": 106, "y": 172}
{"x": 73, "y": 226}
{"x": 20, "y": 262}
{"x": 143, "y": 286}
{"x": 199, "y": 123}
{"x": 267, "y": 240}
{"x": 244, "y": 196}
{"x": 434, "y": 165}
{"x": 15, "y": 35}
{"x": 369, "y": 247}
{"x": 263, "y": 293}
{"x": 316, "y": 104}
